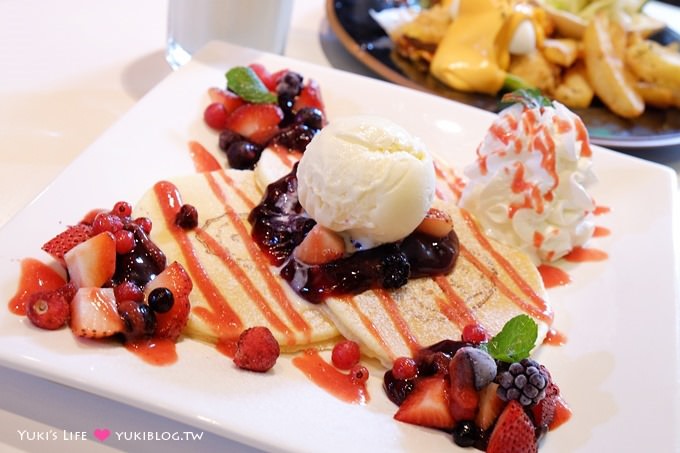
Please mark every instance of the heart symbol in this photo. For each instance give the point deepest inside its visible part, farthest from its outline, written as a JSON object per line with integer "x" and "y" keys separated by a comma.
{"x": 102, "y": 434}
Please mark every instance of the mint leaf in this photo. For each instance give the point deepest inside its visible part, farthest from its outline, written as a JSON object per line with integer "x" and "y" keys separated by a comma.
{"x": 515, "y": 341}
{"x": 243, "y": 81}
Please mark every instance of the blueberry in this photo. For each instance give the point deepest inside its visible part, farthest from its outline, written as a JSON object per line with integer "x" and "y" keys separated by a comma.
{"x": 310, "y": 117}
{"x": 139, "y": 320}
{"x": 243, "y": 155}
{"x": 465, "y": 433}
{"x": 161, "y": 300}
{"x": 227, "y": 137}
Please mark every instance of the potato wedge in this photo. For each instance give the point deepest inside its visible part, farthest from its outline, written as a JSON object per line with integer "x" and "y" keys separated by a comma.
{"x": 561, "y": 51}
{"x": 608, "y": 76}
{"x": 657, "y": 95}
{"x": 535, "y": 70}
{"x": 574, "y": 90}
{"x": 654, "y": 63}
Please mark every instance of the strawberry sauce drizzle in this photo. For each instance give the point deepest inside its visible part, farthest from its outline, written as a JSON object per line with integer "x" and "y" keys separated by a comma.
{"x": 202, "y": 158}
{"x": 581, "y": 254}
{"x": 555, "y": 338}
{"x": 599, "y": 210}
{"x": 390, "y": 307}
{"x": 368, "y": 324}
{"x": 455, "y": 310}
{"x": 222, "y": 318}
{"x": 35, "y": 276}
{"x": 553, "y": 276}
{"x": 601, "y": 231}
{"x": 260, "y": 260}
{"x": 329, "y": 378}
{"x": 539, "y": 308}
{"x": 155, "y": 351}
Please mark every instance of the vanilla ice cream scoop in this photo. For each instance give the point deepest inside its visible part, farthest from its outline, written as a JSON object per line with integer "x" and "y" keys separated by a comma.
{"x": 528, "y": 185}
{"x": 368, "y": 178}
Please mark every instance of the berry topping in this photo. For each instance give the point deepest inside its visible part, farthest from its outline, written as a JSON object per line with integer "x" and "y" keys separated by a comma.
{"x": 94, "y": 313}
{"x": 404, "y": 368}
{"x": 187, "y": 217}
{"x": 475, "y": 334}
{"x": 128, "y": 290}
{"x": 230, "y": 101}
{"x": 161, "y": 300}
{"x": 215, "y": 115}
{"x": 227, "y": 137}
{"x": 93, "y": 262}
{"x": 436, "y": 223}
{"x": 514, "y": 432}
{"x": 256, "y": 350}
{"x": 105, "y": 221}
{"x": 466, "y": 433}
{"x": 66, "y": 240}
{"x": 145, "y": 223}
{"x": 358, "y": 374}
{"x": 138, "y": 319}
{"x": 483, "y": 365}
{"x": 243, "y": 155}
{"x": 310, "y": 117}
{"x": 395, "y": 270}
{"x": 428, "y": 404}
{"x": 122, "y": 209}
{"x": 175, "y": 278}
{"x": 256, "y": 122}
{"x": 345, "y": 354}
{"x": 125, "y": 241}
{"x": 296, "y": 137}
{"x": 321, "y": 245}
{"x": 524, "y": 381}
{"x": 50, "y": 309}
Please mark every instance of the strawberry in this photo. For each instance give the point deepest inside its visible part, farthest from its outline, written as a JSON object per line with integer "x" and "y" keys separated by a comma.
{"x": 93, "y": 262}
{"x": 310, "y": 96}
{"x": 552, "y": 410}
{"x": 171, "y": 323}
{"x": 94, "y": 313}
{"x": 270, "y": 80}
{"x": 437, "y": 223}
{"x": 256, "y": 350}
{"x": 231, "y": 101}
{"x": 464, "y": 400}
{"x": 490, "y": 406}
{"x": 428, "y": 404}
{"x": 66, "y": 240}
{"x": 321, "y": 245}
{"x": 256, "y": 122}
{"x": 50, "y": 309}
{"x": 514, "y": 432}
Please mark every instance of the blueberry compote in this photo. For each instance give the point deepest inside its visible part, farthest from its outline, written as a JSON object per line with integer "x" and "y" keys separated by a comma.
{"x": 280, "y": 224}
{"x": 143, "y": 263}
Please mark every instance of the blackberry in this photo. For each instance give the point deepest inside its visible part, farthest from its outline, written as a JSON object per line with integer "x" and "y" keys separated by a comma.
{"x": 395, "y": 270}
{"x": 524, "y": 381}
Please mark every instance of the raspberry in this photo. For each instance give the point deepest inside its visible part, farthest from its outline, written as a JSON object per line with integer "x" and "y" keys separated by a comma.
{"x": 395, "y": 270}
{"x": 256, "y": 350}
{"x": 50, "y": 310}
{"x": 345, "y": 354}
{"x": 525, "y": 381}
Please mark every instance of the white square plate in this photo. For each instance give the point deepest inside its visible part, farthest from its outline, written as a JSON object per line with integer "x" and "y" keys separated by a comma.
{"x": 618, "y": 369}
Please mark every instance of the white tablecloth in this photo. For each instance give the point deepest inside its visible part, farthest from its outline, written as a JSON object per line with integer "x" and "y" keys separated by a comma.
{"x": 68, "y": 70}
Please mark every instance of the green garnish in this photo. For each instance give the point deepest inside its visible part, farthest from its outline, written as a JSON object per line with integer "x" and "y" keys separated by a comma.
{"x": 530, "y": 97}
{"x": 515, "y": 341}
{"x": 243, "y": 81}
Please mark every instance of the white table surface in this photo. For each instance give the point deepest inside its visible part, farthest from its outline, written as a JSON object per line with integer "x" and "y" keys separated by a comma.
{"x": 68, "y": 70}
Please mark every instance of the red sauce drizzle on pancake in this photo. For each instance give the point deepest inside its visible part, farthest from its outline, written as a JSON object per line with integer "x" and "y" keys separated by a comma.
{"x": 455, "y": 310}
{"x": 203, "y": 160}
{"x": 329, "y": 378}
{"x": 402, "y": 326}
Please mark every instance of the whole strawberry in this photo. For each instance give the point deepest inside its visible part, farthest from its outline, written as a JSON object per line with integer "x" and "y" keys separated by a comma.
{"x": 256, "y": 350}
{"x": 50, "y": 310}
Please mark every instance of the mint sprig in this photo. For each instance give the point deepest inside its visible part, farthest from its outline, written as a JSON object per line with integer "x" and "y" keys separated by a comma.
{"x": 515, "y": 341}
{"x": 243, "y": 81}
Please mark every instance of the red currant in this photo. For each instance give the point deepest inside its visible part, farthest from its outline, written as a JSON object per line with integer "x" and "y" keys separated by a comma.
{"x": 145, "y": 223}
{"x": 475, "y": 334}
{"x": 358, "y": 374}
{"x": 404, "y": 368}
{"x": 122, "y": 209}
{"x": 215, "y": 116}
{"x": 106, "y": 222}
{"x": 125, "y": 241}
{"x": 345, "y": 354}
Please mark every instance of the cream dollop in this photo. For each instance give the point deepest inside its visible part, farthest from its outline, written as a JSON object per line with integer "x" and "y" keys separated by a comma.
{"x": 368, "y": 178}
{"x": 527, "y": 187}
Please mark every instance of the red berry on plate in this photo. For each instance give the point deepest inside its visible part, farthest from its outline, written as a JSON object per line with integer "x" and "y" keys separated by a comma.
{"x": 475, "y": 334}
{"x": 256, "y": 122}
{"x": 125, "y": 241}
{"x": 94, "y": 313}
{"x": 145, "y": 223}
{"x": 358, "y": 374}
{"x": 428, "y": 404}
{"x": 93, "y": 262}
{"x": 139, "y": 320}
{"x": 122, "y": 209}
{"x": 128, "y": 290}
{"x": 231, "y": 101}
{"x": 345, "y": 354}
{"x": 105, "y": 221}
{"x": 175, "y": 278}
{"x": 215, "y": 116}
{"x": 257, "y": 349}
{"x": 49, "y": 309}
{"x": 514, "y": 432}
{"x": 187, "y": 217}
{"x": 404, "y": 368}
{"x": 66, "y": 240}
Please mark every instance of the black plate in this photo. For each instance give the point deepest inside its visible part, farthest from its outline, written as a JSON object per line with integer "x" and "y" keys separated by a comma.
{"x": 367, "y": 41}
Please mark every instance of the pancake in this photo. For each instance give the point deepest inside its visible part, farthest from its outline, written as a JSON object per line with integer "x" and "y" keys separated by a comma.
{"x": 235, "y": 287}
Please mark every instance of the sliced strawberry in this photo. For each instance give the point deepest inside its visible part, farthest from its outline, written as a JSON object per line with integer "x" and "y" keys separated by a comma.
{"x": 464, "y": 399}
{"x": 93, "y": 262}
{"x": 171, "y": 323}
{"x": 256, "y": 122}
{"x": 428, "y": 404}
{"x": 551, "y": 411}
{"x": 310, "y": 96}
{"x": 514, "y": 432}
{"x": 94, "y": 313}
{"x": 51, "y": 309}
{"x": 437, "y": 223}
{"x": 321, "y": 245}
{"x": 270, "y": 80}
{"x": 490, "y": 406}
{"x": 66, "y": 240}
{"x": 231, "y": 101}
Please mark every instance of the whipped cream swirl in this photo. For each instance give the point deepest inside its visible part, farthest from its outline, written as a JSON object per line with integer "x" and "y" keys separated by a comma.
{"x": 527, "y": 187}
